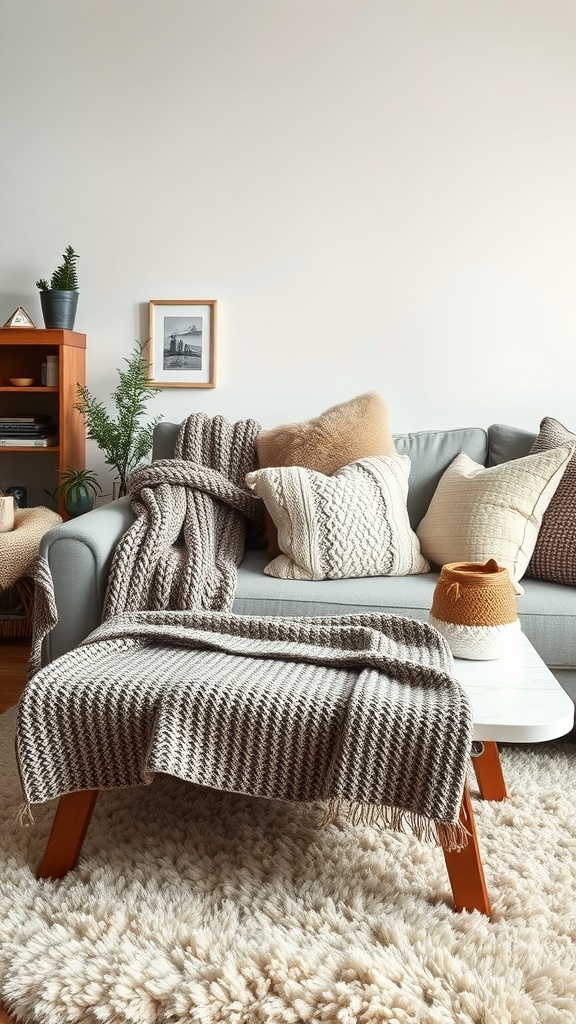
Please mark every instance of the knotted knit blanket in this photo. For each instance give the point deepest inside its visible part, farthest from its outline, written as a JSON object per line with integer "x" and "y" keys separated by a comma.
{"x": 193, "y": 514}
{"x": 360, "y": 712}
{"x": 190, "y": 529}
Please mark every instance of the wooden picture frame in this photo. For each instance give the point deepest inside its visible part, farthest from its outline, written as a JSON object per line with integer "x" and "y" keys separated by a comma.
{"x": 182, "y": 343}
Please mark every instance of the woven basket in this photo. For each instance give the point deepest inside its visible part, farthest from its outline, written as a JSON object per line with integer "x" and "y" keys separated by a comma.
{"x": 16, "y": 610}
{"x": 474, "y": 607}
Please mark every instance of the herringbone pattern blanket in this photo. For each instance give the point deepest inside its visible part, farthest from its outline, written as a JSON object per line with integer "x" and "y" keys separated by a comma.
{"x": 359, "y": 711}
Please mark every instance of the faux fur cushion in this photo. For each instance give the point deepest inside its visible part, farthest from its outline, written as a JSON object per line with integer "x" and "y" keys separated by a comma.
{"x": 354, "y": 523}
{"x": 554, "y": 557}
{"x": 346, "y": 432}
{"x": 477, "y": 513}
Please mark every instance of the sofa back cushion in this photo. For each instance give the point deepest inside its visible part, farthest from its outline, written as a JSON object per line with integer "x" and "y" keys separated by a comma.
{"x": 506, "y": 443}
{"x": 164, "y": 439}
{"x": 430, "y": 453}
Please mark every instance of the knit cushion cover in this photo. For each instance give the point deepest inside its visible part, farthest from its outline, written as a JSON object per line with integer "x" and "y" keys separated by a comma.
{"x": 354, "y": 523}
{"x": 477, "y": 513}
{"x": 554, "y": 557}
{"x": 351, "y": 430}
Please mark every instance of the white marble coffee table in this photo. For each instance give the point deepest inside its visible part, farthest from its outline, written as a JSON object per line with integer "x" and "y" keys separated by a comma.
{"x": 515, "y": 699}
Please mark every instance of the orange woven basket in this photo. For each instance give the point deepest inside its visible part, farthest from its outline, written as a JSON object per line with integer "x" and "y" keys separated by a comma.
{"x": 474, "y": 594}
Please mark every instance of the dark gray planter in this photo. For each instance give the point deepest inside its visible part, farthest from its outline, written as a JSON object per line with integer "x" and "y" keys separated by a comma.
{"x": 59, "y": 309}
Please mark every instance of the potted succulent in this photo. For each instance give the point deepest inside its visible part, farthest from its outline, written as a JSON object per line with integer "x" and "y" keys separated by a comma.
{"x": 125, "y": 441}
{"x": 77, "y": 489}
{"x": 59, "y": 298}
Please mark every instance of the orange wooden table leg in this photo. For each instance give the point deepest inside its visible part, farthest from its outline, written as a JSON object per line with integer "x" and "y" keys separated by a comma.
{"x": 465, "y": 869}
{"x": 67, "y": 835}
{"x": 489, "y": 775}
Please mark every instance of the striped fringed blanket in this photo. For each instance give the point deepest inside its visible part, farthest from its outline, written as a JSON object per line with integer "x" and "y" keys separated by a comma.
{"x": 361, "y": 712}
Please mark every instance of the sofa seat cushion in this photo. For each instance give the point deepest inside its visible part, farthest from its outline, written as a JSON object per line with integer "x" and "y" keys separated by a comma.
{"x": 258, "y": 594}
{"x": 547, "y": 611}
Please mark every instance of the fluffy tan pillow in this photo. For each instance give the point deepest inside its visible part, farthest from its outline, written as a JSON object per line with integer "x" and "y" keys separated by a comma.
{"x": 344, "y": 433}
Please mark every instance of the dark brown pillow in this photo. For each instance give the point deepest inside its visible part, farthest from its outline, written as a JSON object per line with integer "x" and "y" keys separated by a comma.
{"x": 351, "y": 430}
{"x": 554, "y": 557}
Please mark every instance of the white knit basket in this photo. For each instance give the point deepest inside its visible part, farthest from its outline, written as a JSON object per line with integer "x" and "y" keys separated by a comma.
{"x": 479, "y": 643}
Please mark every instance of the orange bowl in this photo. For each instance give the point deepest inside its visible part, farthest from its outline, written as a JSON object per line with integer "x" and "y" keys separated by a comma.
{"x": 21, "y": 382}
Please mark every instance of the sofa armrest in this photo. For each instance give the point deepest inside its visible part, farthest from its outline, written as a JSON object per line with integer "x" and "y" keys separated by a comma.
{"x": 79, "y": 553}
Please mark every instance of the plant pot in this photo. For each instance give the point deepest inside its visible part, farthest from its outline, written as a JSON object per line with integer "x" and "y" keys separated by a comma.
{"x": 78, "y": 500}
{"x": 59, "y": 309}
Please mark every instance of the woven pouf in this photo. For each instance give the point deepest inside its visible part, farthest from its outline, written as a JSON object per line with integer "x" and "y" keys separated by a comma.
{"x": 474, "y": 607}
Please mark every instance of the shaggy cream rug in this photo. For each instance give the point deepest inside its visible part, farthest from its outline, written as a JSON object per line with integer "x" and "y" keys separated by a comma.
{"x": 192, "y": 905}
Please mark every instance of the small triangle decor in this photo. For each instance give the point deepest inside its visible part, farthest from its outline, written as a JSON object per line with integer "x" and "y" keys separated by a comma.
{"x": 19, "y": 318}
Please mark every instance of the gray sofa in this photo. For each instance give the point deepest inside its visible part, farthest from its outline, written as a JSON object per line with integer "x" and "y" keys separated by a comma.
{"x": 79, "y": 554}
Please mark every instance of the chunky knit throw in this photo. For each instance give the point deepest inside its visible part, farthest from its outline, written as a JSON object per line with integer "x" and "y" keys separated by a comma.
{"x": 358, "y": 711}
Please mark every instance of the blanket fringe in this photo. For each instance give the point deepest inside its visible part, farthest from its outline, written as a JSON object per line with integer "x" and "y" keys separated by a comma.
{"x": 446, "y": 834}
{"x": 23, "y": 815}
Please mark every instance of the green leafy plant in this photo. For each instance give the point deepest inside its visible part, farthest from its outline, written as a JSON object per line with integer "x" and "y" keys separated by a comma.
{"x": 124, "y": 440}
{"x": 74, "y": 480}
{"x": 65, "y": 277}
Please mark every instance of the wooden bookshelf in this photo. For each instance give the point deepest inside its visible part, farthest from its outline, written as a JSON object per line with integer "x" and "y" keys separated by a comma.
{"x": 22, "y": 353}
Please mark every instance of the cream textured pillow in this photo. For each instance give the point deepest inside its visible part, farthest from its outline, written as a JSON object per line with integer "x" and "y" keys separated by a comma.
{"x": 354, "y": 523}
{"x": 477, "y": 513}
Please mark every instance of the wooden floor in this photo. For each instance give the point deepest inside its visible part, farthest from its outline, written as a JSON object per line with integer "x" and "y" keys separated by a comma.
{"x": 13, "y": 667}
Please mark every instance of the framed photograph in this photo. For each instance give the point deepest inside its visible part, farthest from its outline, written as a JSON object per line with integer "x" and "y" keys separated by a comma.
{"x": 182, "y": 345}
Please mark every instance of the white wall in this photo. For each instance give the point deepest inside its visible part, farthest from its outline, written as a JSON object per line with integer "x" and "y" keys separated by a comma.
{"x": 379, "y": 193}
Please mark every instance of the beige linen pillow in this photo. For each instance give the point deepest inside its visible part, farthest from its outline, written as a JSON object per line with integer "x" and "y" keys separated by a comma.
{"x": 351, "y": 430}
{"x": 477, "y": 513}
{"x": 354, "y": 523}
{"x": 554, "y": 557}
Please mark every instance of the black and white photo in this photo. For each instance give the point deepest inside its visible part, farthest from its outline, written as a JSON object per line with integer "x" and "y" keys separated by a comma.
{"x": 182, "y": 343}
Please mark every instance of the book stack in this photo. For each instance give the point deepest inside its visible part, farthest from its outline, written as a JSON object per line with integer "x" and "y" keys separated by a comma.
{"x": 27, "y": 432}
